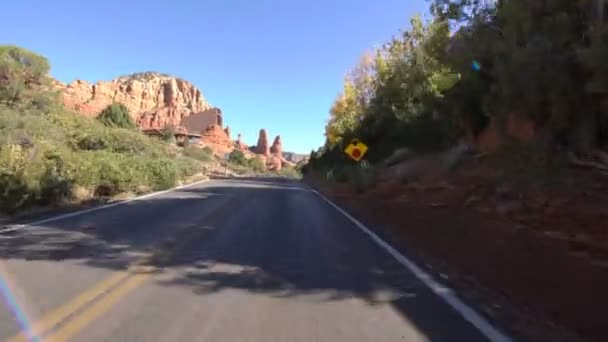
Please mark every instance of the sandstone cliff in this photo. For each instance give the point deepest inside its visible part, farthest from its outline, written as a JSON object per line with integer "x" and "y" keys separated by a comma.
{"x": 155, "y": 100}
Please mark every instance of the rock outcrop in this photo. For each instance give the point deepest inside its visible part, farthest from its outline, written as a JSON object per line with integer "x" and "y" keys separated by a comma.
{"x": 262, "y": 146}
{"x": 155, "y": 100}
{"x": 277, "y": 147}
{"x": 215, "y": 135}
{"x": 240, "y": 144}
{"x": 273, "y": 163}
{"x": 227, "y": 131}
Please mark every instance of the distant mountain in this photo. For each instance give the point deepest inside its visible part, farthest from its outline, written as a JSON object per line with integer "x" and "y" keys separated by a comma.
{"x": 294, "y": 157}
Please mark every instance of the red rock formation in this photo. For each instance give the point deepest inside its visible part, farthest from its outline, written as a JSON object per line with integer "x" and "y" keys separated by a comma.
{"x": 262, "y": 146}
{"x": 277, "y": 147}
{"x": 217, "y": 136}
{"x": 154, "y": 100}
{"x": 273, "y": 164}
{"x": 240, "y": 144}
{"x": 227, "y": 131}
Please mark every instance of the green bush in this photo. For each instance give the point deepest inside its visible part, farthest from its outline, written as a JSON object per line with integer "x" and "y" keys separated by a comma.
{"x": 202, "y": 154}
{"x": 256, "y": 164}
{"x": 208, "y": 150}
{"x": 237, "y": 157}
{"x": 162, "y": 173}
{"x": 46, "y": 151}
{"x": 92, "y": 143}
{"x": 289, "y": 171}
{"x": 22, "y": 72}
{"x": 119, "y": 141}
{"x": 187, "y": 167}
{"x": 116, "y": 115}
{"x": 168, "y": 134}
{"x": 14, "y": 192}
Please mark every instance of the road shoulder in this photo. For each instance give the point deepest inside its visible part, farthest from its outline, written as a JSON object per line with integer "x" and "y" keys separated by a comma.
{"x": 496, "y": 307}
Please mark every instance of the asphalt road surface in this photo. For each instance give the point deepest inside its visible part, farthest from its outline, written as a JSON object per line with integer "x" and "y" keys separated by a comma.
{"x": 225, "y": 260}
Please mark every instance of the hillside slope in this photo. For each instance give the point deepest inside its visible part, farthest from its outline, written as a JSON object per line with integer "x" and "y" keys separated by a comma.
{"x": 51, "y": 155}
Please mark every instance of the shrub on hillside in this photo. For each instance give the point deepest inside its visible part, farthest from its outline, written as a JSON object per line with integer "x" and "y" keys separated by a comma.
{"x": 208, "y": 150}
{"x": 21, "y": 73}
{"x": 48, "y": 152}
{"x": 187, "y": 167}
{"x": 14, "y": 192}
{"x": 289, "y": 171}
{"x": 116, "y": 115}
{"x": 202, "y": 154}
{"x": 168, "y": 134}
{"x": 237, "y": 157}
{"x": 256, "y": 164}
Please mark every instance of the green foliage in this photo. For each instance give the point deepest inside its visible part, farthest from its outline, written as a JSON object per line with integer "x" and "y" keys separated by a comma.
{"x": 256, "y": 164}
{"x": 46, "y": 152}
{"x": 208, "y": 150}
{"x": 289, "y": 172}
{"x": 393, "y": 96}
{"x": 22, "y": 72}
{"x": 184, "y": 143}
{"x": 187, "y": 167}
{"x": 202, "y": 154}
{"x": 237, "y": 157}
{"x": 544, "y": 61}
{"x": 14, "y": 192}
{"x": 168, "y": 134}
{"x": 116, "y": 115}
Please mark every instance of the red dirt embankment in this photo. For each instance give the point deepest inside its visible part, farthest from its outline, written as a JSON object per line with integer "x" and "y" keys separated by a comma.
{"x": 546, "y": 254}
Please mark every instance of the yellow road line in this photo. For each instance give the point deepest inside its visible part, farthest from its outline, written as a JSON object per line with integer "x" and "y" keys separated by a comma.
{"x": 62, "y": 313}
{"x": 96, "y": 310}
{"x": 56, "y": 316}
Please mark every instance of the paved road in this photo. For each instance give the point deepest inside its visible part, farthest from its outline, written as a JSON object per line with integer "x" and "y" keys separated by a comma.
{"x": 227, "y": 260}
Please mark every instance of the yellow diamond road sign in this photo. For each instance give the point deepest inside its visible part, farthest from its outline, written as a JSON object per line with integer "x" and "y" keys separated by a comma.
{"x": 356, "y": 149}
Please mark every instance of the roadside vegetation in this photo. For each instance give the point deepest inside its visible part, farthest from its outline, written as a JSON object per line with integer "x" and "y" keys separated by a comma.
{"x": 473, "y": 65}
{"x": 50, "y": 155}
{"x": 239, "y": 163}
{"x": 425, "y": 103}
{"x": 289, "y": 171}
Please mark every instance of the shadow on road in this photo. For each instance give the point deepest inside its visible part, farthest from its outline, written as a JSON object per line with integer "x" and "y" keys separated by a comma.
{"x": 267, "y": 237}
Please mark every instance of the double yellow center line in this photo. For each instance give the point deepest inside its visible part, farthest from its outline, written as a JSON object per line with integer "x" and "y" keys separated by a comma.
{"x": 66, "y": 321}
{"x": 86, "y": 307}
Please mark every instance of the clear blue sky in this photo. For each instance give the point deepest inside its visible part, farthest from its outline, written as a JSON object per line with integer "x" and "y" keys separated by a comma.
{"x": 274, "y": 64}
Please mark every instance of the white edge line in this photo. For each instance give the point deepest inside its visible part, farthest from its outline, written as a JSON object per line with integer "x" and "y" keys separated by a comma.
{"x": 106, "y": 206}
{"x": 443, "y": 292}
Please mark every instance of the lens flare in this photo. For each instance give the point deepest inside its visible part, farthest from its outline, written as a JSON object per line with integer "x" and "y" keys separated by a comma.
{"x": 476, "y": 66}
{"x": 12, "y": 304}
